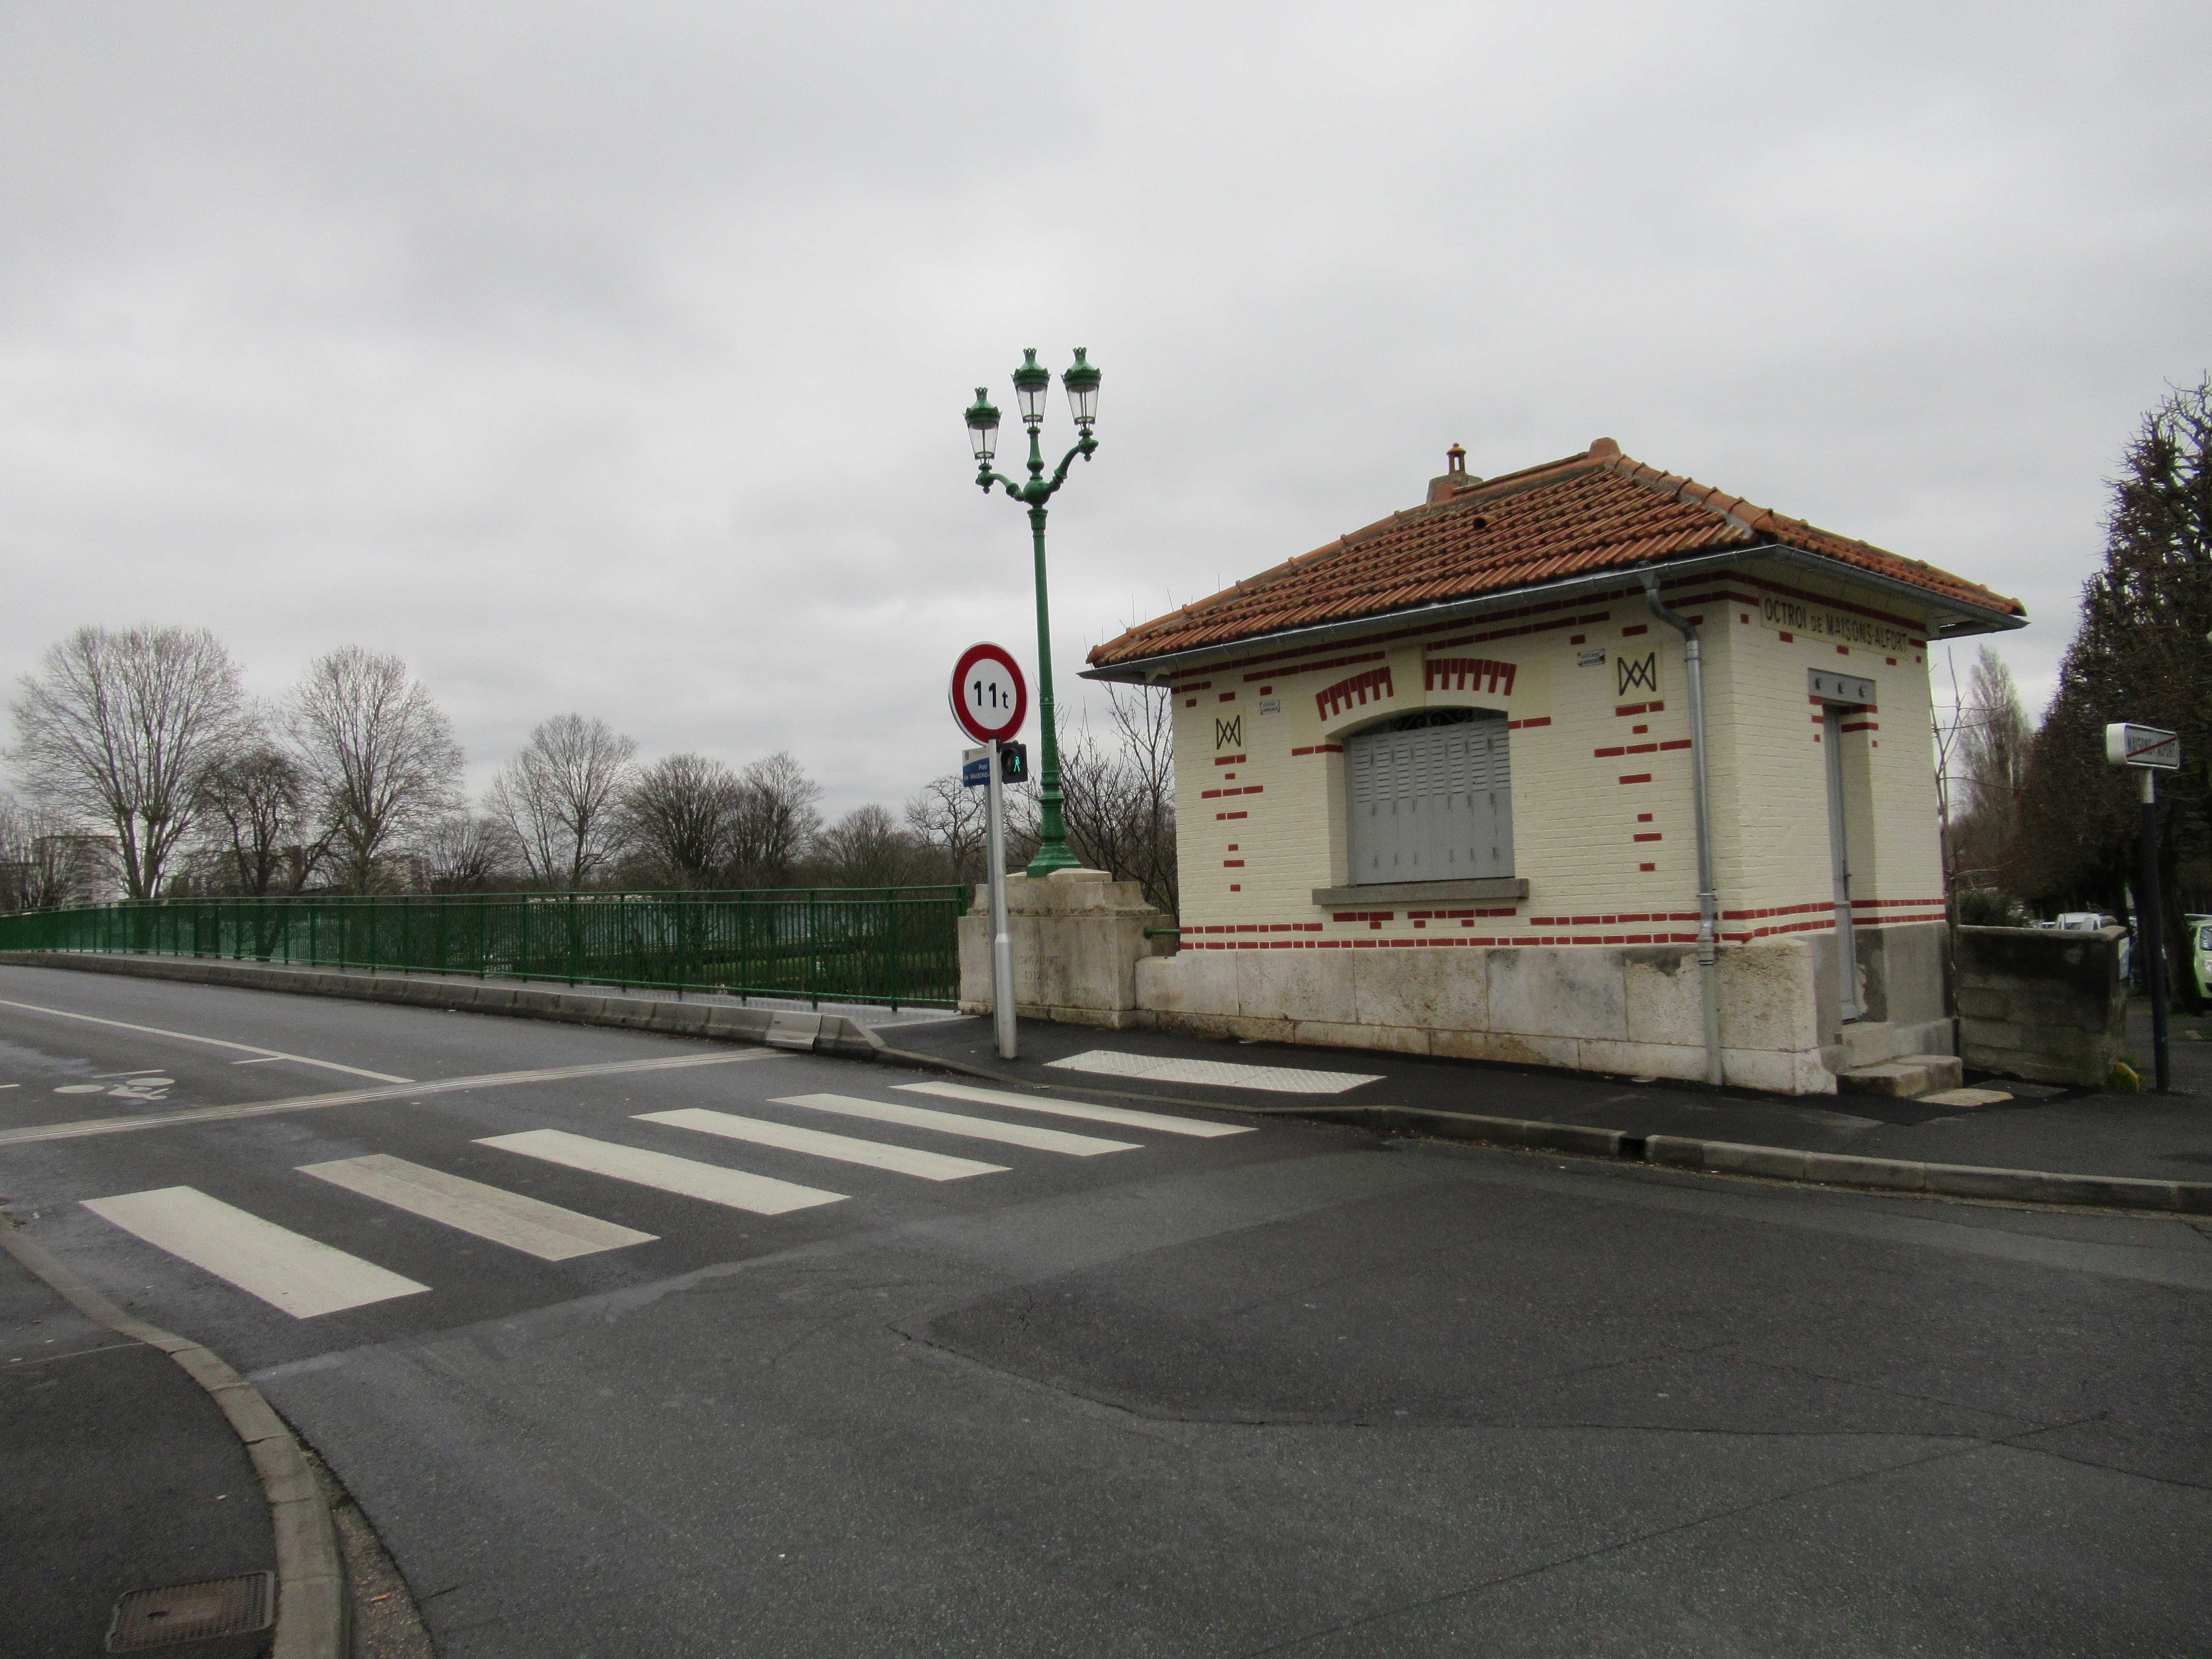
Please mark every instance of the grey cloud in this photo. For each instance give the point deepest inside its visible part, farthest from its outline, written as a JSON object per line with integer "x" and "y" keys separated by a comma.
{"x": 613, "y": 358}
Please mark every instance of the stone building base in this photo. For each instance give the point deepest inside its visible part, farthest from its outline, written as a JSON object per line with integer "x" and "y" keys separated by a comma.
{"x": 1632, "y": 1010}
{"x": 1082, "y": 956}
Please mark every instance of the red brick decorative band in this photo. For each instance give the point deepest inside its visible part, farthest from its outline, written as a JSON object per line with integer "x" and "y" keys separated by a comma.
{"x": 1469, "y": 674}
{"x": 1355, "y": 691}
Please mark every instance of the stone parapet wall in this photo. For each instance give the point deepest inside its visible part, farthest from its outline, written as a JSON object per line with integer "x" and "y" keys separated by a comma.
{"x": 1077, "y": 937}
{"x": 2040, "y": 1003}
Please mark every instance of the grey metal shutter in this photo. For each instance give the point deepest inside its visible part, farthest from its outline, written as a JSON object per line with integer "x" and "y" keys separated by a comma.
{"x": 1433, "y": 803}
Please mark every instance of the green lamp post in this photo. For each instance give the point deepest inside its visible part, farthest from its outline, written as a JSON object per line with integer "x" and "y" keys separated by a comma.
{"x": 1031, "y": 383}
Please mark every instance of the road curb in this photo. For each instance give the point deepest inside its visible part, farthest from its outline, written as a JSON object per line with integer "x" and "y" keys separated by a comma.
{"x": 1706, "y": 1157}
{"x": 775, "y": 1028}
{"x": 313, "y": 1611}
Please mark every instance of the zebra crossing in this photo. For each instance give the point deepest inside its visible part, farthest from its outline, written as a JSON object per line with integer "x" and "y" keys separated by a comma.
{"x": 304, "y": 1278}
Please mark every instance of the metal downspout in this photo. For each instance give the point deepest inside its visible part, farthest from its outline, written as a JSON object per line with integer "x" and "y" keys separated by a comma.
{"x": 1708, "y": 904}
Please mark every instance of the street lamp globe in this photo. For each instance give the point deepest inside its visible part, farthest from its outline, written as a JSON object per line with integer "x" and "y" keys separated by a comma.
{"x": 983, "y": 426}
{"x": 1031, "y": 382}
{"x": 1082, "y": 383}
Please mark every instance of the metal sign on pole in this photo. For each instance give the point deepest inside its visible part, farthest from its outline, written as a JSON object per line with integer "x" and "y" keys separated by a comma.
{"x": 990, "y": 699}
{"x": 2150, "y": 751}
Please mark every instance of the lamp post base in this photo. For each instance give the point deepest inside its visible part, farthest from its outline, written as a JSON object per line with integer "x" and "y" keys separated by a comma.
{"x": 1051, "y": 856}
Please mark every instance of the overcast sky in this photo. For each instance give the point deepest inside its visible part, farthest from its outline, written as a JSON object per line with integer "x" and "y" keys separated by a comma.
{"x": 612, "y": 357}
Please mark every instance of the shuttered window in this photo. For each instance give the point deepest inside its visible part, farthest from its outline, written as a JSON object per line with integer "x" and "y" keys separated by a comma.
{"x": 1432, "y": 799}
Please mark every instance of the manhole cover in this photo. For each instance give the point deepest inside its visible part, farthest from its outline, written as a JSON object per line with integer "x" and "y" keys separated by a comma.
{"x": 193, "y": 1613}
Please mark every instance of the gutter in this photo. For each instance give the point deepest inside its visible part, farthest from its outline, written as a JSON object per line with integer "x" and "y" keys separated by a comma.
{"x": 1709, "y": 983}
{"x": 1975, "y": 618}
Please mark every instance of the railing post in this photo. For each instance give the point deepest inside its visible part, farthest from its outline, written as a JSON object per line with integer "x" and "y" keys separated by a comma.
{"x": 890, "y": 949}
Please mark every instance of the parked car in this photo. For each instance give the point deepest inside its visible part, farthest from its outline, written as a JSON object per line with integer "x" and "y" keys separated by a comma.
{"x": 2084, "y": 922}
{"x": 2200, "y": 957}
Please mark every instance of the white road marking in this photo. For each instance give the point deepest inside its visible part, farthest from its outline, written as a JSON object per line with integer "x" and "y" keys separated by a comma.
{"x": 760, "y": 1194}
{"x": 1084, "y": 1108}
{"x": 143, "y": 1071}
{"x": 958, "y": 1123}
{"x": 266, "y": 1059}
{"x": 212, "y": 1042}
{"x": 114, "y": 1126}
{"x": 1219, "y": 1073}
{"x": 297, "y": 1274}
{"x": 544, "y": 1231}
{"x": 875, "y": 1154}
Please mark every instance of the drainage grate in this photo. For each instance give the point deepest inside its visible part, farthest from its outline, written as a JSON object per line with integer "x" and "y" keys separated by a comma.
{"x": 193, "y": 1613}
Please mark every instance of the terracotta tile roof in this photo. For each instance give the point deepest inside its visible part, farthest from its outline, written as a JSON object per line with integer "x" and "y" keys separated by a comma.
{"x": 1593, "y": 512}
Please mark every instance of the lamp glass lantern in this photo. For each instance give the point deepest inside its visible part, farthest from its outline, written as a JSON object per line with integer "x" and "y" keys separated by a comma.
{"x": 983, "y": 426}
{"x": 1031, "y": 381}
{"x": 1082, "y": 383}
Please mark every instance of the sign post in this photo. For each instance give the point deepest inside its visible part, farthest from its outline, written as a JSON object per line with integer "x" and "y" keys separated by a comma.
{"x": 990, "y": 700}
{"x": 2150, "y": 751}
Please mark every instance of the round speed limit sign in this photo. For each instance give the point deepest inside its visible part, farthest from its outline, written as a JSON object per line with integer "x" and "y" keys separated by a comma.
{"x": 990, "y": 699}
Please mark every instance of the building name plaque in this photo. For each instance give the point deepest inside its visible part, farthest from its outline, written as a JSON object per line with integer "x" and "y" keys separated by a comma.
{"x": 1818, "y": 623}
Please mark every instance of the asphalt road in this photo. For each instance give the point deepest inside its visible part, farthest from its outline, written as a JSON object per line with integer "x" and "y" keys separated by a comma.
{"x": 1298, "y": 1389}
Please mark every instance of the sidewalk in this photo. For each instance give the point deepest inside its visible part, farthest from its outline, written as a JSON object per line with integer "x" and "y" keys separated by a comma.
{"x": 2076, "y": 1131}
{"x": 122, "y": 1474}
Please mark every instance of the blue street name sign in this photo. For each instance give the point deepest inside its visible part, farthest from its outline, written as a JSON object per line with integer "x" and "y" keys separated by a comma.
{"x": 975, "y": 768}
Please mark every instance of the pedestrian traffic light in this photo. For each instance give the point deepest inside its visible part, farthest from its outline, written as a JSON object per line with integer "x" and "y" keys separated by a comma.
{"x": 1013, "y": 762}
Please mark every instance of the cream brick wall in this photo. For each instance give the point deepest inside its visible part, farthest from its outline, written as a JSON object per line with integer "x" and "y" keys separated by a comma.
{"x": 1768, "y": 765}
{"x": 1260, "y": 791}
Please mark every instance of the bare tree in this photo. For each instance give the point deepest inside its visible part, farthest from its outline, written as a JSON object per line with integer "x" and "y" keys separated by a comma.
{"x": 679, "y": 816}
{"x": 778, "y": 820}
{"x": 1996, "y": 739}
{"x": 869, "y": 847}
{"x": 951, "y": 820}
{"x": 470, "y": 853}
{"x": 46, "y": 866}
{"x": 562, "y": 797}
{"x": 1119, "y": 803}
{"x": 258, "y": 831}
{"x": 1982, "y": 765}
{"x": 378, "y": 755}
{"x": 118, "y": 729}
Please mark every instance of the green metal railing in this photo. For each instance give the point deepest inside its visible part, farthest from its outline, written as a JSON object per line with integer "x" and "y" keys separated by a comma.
{"x": 889, "y": 944}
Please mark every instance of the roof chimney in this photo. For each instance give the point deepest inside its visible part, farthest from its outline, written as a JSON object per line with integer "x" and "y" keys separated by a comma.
{"x": 1454, "y": 477}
